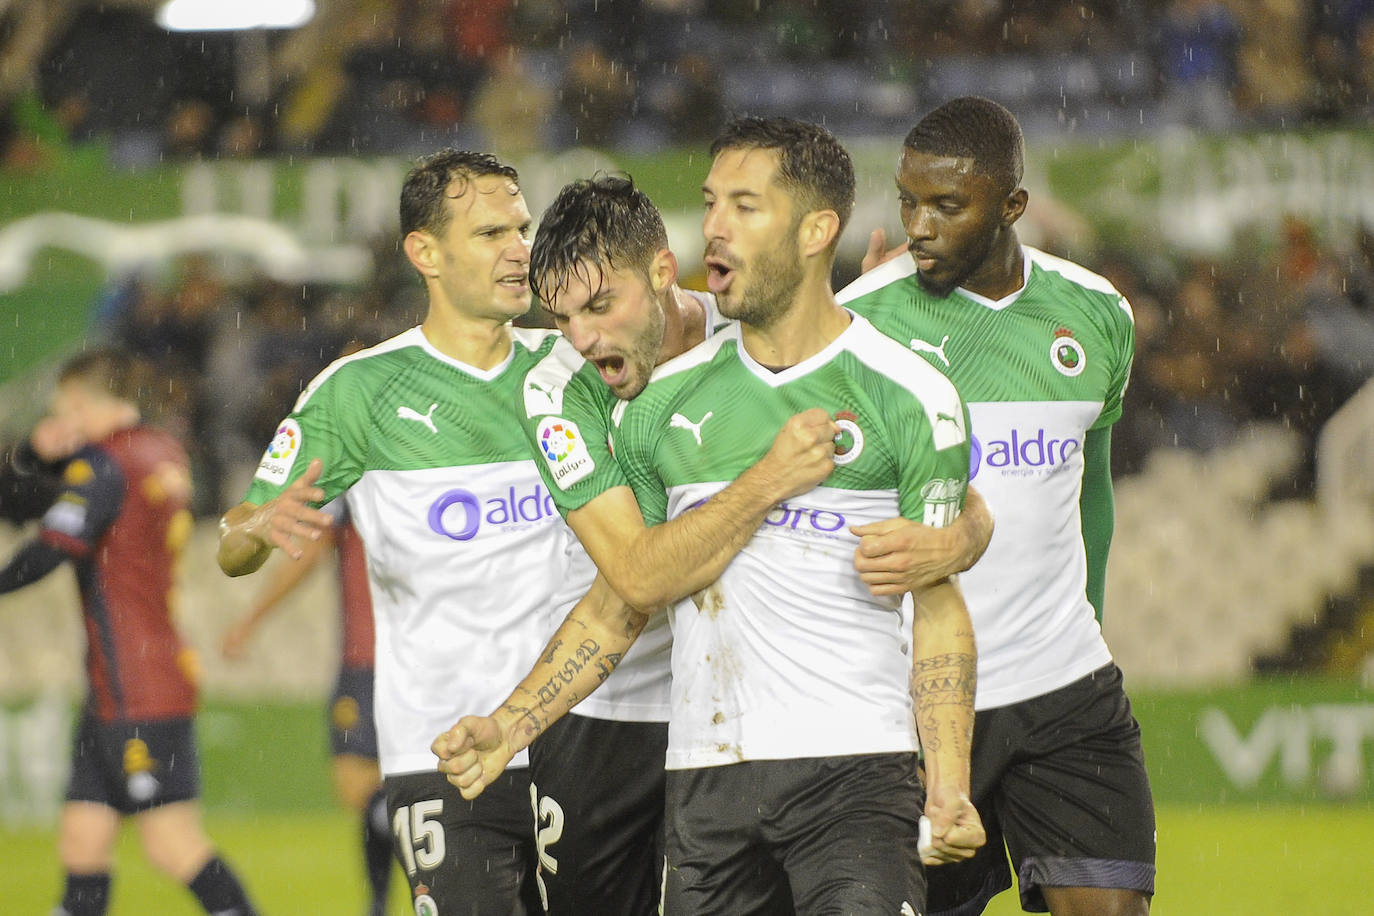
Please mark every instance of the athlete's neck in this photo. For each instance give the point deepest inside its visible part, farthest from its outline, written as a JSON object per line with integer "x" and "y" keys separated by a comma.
{"x": 806, "y": 328}
{"x": 1002, "y": 271}
{"x": 479, "y": 342}
{"x": 684, "y": 324}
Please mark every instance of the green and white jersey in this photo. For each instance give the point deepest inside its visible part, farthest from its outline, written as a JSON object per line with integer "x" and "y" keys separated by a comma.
{"x": 465, "y": 549}
{"x": 1039, "y": 369}
{"x": 789, "y": 636}
{"x": 566, "y": 409}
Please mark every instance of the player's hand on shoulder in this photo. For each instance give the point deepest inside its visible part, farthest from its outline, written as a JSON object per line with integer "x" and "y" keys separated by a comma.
{"x": 878, "y": 253}
{"x": 803, "y": 452}
{"x": 956, "y": 830}
{"x": 472, "y": 754}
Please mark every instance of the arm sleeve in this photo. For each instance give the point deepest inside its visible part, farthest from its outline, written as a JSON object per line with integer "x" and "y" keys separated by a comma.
{"x": 28, "y": 485}
{"x": 33, "y": 561}
{"x": 331, "y": 424}
{"x": 1097, "y": 512}
{"x": 572, "y": 446}
{"x": 933, "y": 474}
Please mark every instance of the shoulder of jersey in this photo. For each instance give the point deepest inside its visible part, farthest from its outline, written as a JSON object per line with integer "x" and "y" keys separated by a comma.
{"x": 543, "y": 386}
{"x": 536, "y": 340}
{"x": 885, "y": 274}
{"x": 931, "y": 387}
{"x": 385, "y": 357}
{"x": 1078, "y": 275}
{"x": 699, "y": 355}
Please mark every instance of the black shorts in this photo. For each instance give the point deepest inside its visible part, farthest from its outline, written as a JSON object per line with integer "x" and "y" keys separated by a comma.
{"x": 599, "y": 786}
{"x": 821, "y": 835}
{"x": 352, "y": 728}
{"x": 134, "y": 766}
{"x": 1060, "y": 781}
{"x": 476, "y": 857}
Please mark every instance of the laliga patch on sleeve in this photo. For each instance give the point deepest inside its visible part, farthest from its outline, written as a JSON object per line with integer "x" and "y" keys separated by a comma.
{"x": 565, "y": 450}
{"x": 66, "y": 516}
{"x": 281, "y": 453}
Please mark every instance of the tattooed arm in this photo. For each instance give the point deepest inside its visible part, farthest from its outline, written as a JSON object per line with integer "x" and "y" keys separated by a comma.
{"x": 943, "y": 677}
{"x": 591, "y": 641}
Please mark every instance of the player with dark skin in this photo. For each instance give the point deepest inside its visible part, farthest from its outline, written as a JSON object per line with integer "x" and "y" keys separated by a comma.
{"x": 960, "y": 221}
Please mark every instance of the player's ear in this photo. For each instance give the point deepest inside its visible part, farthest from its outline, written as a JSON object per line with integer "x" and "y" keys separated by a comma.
{"x": 818, "y": 231}
{"x": 662, "y": 270}
{"x": 423, "y": 252}
{"x": 1013, "y": 205}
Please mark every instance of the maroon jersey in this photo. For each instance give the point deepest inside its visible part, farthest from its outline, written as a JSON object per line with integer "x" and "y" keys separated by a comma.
{"x": 355, "y": 597}
{"x": 122, "y": 519}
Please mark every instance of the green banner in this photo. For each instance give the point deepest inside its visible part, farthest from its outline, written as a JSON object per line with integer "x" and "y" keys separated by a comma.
{"x": 1290, "y": 741}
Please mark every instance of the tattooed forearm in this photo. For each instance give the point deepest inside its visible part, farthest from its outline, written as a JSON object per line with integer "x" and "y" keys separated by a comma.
{"x": 949, "y": 681}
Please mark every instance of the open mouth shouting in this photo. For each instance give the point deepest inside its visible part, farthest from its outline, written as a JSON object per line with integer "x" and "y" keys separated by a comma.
{"x": 613, "y": 369}
{"x": 517, "y": 283}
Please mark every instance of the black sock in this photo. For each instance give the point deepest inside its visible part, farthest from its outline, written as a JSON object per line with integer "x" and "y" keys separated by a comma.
{"x": 85, "y": 895}
{"x": 377, "y": 853}
{"x": 219, "y": 890}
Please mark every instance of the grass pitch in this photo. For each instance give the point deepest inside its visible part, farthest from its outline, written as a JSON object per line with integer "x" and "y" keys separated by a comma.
{"x": 1214, "y": 861}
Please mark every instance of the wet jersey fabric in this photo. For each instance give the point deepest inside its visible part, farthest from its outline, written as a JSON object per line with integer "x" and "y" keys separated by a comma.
{"x": 1039, "y": 370}
{"x": 122, "y": 518}
{"x": 465, "y": 549}
{"x": 566, "y": 409}
{"x": 789, "y": 636}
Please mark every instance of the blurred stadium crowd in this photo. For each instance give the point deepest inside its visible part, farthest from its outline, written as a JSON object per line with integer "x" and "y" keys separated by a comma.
{"x": 1282, "y": 334}
{"x": 402, "y": 76}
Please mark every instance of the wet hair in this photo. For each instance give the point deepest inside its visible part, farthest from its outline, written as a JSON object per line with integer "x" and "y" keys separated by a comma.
{"x": 110, "y": 370}
{"x": 974, "y": 128}
{"x": 426, "y": 186}
{"x": 604, "y": 221}
{"x": 812, "y": 165}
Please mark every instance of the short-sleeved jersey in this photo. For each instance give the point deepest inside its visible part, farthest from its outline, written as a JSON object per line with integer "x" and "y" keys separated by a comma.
{"x": 122, "y": 518}
{"x": 1039, "y": 369}
{"x": 789, "y": 636}
{"x": 566, "y": 409}
{"x": 465, "y": 549}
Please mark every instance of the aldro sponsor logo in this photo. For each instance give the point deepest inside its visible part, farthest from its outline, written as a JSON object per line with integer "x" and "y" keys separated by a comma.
{"x": 461, "y": 514}
{"x": 802, "y": 519}
{"x": 1024, "y": 451}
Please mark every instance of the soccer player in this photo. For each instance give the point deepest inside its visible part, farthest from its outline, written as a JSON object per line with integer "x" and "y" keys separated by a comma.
{"x": 466, "y": 551}
{"x": 1041, "y": 348}
{"x": 451, "y": 510}
{"x": 122, "y": 518}
{"x": 792, "y": 740}
{"x": 352, "y": 728}
{"x": 601, "y": 265}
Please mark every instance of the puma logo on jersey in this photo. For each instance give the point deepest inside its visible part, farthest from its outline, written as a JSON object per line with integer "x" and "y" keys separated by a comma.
{"x": 920, "y": 346}
{"x": 407, "y": 413}
{"x": 678, "y": 421}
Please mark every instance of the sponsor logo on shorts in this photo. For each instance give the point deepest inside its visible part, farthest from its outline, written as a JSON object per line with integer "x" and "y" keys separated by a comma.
{"x": 1066, "y": 354}
{"x": 849, "y": 440}
{"x": 281, "y": 453}
{"x": 424, "y": 903}
{"x": 142, "y": 785}
{"x": 462, "y": 514}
